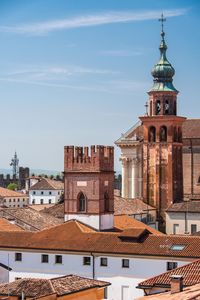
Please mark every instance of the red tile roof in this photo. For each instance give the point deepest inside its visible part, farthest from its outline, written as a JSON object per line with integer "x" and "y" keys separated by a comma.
{"x": 9, "y": 193}
{"x": 191, "y": 128}
{"x": 48, "y": 184}
{"x": 190, "y": 273}
{"x": 127, "y": 206}
{"x": 186, "y": 206}
{"x": 70, "y": 237}
{"x": 7, "y": 226}
{"x": 34, "y": 288}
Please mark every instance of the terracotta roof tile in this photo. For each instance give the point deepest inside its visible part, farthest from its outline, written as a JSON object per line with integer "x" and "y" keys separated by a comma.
{"x": 56, "y": 210}
{"x": 125, "y": 206}
{"x": 48, "y": 184}
{"x": 186, "y": 206}
{"x": 190, "y": 273}
{"x": 191, "y": 128}
{"x": 35, "y": 288}
{"x": 9, "y": 193}
{"x": 5, "y": 225}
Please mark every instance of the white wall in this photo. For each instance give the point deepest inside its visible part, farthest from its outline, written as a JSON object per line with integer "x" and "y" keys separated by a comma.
{"x": 140, "y": 269}
{"x": 179, "y": 218}
{"x": 99, "y": 222}
{"x": 15, "y": 202}
{"x": 47, "y": 196}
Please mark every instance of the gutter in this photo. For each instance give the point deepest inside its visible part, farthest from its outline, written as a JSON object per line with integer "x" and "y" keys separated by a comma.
{"x": 93, "y": 265}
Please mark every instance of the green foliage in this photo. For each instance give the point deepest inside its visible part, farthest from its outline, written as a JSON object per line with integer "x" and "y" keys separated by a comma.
{"x": 12, "y": 186}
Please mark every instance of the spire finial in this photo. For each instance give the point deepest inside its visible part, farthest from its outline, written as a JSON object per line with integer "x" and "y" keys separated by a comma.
{"x": 162, "y": 20}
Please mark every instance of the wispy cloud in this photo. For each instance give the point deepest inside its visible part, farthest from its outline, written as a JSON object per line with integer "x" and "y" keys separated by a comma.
{"x": 90, "y": 20}
{"x": 122, "y": 53}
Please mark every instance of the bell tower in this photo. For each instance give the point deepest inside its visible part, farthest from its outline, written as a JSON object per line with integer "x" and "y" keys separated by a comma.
{"x": 162, "y": 145}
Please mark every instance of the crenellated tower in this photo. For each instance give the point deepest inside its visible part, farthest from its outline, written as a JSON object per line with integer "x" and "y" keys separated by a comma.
{"x": 162, "y": 144}
{"x": 89, "y": 179}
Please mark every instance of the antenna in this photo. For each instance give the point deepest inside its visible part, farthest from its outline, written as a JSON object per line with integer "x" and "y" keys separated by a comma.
{"x": 15, "y": 164}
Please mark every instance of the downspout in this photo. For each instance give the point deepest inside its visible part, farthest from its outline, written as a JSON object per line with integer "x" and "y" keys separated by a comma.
{"x": 93, "y": 265}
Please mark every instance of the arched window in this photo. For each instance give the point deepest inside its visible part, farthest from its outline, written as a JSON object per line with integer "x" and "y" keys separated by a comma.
{"x": 158, "y": 108}
{"x": 152, "y": 134}
{"x": 106, "y": 202}
{"x": 81, "y": 202}
{"x": 163, "y": 134}
{"x": 166, "y": 107}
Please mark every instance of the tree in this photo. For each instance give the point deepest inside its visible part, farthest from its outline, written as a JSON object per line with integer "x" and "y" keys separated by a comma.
{"x": 12, "y": 186}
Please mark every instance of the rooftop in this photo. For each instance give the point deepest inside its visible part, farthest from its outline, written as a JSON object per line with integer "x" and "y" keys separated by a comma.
{"x": 48, "y": 184}
{"x": 189, "y": 293}
{"x": 186, "y": 206}
{"x": 5, "y": 225}
{"x": 33, "y": 287}
{"x": 191, "y": 128}
{"x": 30, "y": 217}
{"x": 190, "y": 273}
{"x": 9, "y": 193}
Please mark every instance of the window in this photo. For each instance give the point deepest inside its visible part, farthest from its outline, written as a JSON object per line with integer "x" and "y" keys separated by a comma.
{"x": 34, "y": 192}
{"x": 166, "y": 107}
{"x": 58, "y": 193}
{"x": 9, "y": 200}
{"x": 81, "y": 202}
{"x": 18, "y": 199}
{"x": 177, "y": 247}
{"x": 45, "y": 258}
{"x": 13, "y": 200}
{"x": 41, "y": 201}
{"x": 58, "y": 259}
{"x": 17, "y": 278}
{"x": 152, "y": 134}
{"x": 42, "y": 193}
{"x": 158, "y": 108}
{"x": 23, "y": 199}
{"x": 18, "y": 256}
{"x": 125, "y": 263}
{"x": 49, "y": 201}
{"x": 193, "y": 228}
{"x": 103, "y": 261}
{"x": 49, "y": 192}
{"x": 163, "y": 134}
{"x": 86, "y": 261}
{"x": 175, "y": 228}
{"x": 33, "y": 201}
{"x": 171, "y": 265}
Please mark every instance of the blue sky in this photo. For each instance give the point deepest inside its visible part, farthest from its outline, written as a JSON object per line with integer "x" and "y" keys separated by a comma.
{"x": 77, "y": 72}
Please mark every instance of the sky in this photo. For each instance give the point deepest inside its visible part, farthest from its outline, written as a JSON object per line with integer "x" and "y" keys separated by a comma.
{"x": 78, "y": 72}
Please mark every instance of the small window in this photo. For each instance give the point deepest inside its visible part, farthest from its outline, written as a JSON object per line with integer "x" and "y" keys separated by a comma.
{"x": 34, "y": 192}
{"x": 23, "y": 199}
{"x": 42, "y": 193}
{"x": 18, "y": 278}
{"x": 175, "y": 228}
{"x": 45, "y": 258}
{"x": 49, "y": 201}
{"x": 193, "y": 228}
{"x": 125, "y": 263}
{"x": 103, "y": 261}
{"x": 41, "y": 201}
{"x": 81, "y": 202}
{"x": 58, "y": 193}
{"x": 18, "y": 199}
{"x": 13, "y": 200}
{"x": 177, "y": 247}
{"x": 198, "y": 180}
{"x": 18, "y": 256}
{"x": 33, "y": 201}
{"x": 152, "y": 134}
{"x": 9, "y": 200}
{"x": 49, "y": 192}
{"x": 171, "y": 265}
{"x": 87, "y": 261}
{"x": 58, "y": 259}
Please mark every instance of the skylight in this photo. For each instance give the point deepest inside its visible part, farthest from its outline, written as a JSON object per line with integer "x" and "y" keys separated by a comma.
{"x": 177, "y": 247}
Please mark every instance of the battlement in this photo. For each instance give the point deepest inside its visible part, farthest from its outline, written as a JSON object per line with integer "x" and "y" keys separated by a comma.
{"x": 83, "y": 159}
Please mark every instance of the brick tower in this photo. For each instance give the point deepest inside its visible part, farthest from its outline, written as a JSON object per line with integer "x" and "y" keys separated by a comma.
{"x": 162, "y": 145}
{"x": 89, "y": 180}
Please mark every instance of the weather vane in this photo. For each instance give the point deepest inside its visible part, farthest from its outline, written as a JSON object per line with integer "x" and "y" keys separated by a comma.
{"x": 162, "y": 20}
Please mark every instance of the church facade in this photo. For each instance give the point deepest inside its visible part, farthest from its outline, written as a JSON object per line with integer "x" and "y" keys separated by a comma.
{"x": 160, "y": 155}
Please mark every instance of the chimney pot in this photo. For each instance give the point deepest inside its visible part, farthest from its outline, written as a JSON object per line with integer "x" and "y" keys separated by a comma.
{"x": 176, "y": 284}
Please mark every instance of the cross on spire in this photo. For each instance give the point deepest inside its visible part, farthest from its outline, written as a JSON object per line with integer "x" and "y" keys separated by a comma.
{"x": 162, "y": 20}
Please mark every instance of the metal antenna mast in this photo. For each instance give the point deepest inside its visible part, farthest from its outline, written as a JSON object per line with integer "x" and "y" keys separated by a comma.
{"x": 15, "y": 164}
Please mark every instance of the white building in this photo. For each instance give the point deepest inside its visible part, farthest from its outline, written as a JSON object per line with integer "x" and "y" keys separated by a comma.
{"x": 46, "y": 191}
{"x": 124, "y": 257}
{"x": 12, "y": 199}
{"x": 183, "y": 218}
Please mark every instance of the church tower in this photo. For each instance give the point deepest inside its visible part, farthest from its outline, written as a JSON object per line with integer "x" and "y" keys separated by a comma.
{"x": 162, "y": 144}
{"x": 89, "y": 181}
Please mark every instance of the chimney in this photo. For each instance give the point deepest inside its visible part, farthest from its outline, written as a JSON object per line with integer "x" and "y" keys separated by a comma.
{"x": 176, "y": 284}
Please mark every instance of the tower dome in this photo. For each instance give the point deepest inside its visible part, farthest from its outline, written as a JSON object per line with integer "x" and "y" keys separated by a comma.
{"x": 163, "y": 71}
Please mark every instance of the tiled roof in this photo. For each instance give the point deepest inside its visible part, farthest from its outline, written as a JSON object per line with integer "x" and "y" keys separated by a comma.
{"x": 48, "y": 184}
{"x": 127, "y": 206}
{"x": 9, "y": 193}
{"x": 69, "y": 237}
{"x": 56, "y": 210}
{"x": 60, "y": 286}
{"x": 191, "y": 128}
{"x": 30, "y": 217}
{"x": 7, "y": 226}
{"x": 186, "y": 206}
{"x": 190, "y": 273}
{"x": 189, "y": 293}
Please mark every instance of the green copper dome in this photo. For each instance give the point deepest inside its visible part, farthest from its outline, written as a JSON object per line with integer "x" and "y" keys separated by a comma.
{"x": 163, "y": 71}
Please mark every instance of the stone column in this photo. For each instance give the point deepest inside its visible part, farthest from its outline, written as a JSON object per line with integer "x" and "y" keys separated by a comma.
{"x": 124, "y": 177}
{"x": 135, "y": 181}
